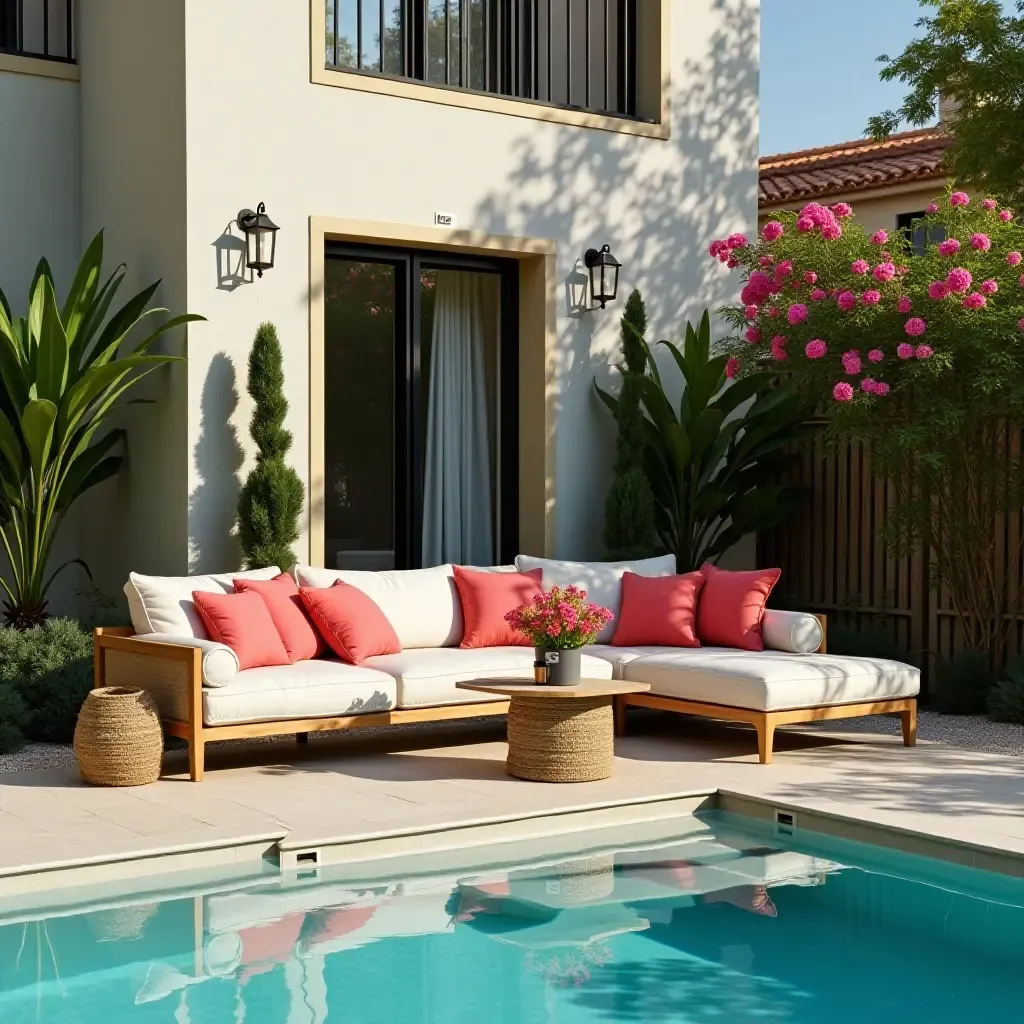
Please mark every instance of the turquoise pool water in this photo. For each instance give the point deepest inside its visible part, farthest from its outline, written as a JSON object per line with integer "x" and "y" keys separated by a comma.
{"x": 723, "y": 924}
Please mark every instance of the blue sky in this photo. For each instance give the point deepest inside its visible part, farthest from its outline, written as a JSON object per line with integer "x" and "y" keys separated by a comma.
{"x": 819, "y": 78}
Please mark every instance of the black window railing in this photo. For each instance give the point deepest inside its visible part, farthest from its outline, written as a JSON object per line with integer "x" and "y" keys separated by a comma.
{"x": 578, "y": 54}
{"x": 38, "y": 28}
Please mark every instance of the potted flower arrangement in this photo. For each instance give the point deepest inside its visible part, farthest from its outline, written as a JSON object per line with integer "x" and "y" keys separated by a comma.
{"x": 559, "y": 622}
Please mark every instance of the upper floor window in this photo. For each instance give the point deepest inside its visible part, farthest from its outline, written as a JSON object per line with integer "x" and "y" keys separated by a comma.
{"x": 38, "y": 28}
{"x": 919, "y": 236}
{"x": 576, "y": 54}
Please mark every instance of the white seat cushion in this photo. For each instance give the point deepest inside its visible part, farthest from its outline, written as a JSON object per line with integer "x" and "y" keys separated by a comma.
{"x": 163, "y": 604}
{"x": 770, "y": 680}
{"x": 307, "y": 689}
{"x": 619, "y": 657}
{"x": 427, "y": 677}
{"x": 601, "y": 580}
{"x": 421, "y": 604}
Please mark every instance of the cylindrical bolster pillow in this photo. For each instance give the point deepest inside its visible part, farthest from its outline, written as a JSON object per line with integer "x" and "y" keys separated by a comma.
{"x": 220, "y": 663}
{"x": 796, "y": 632}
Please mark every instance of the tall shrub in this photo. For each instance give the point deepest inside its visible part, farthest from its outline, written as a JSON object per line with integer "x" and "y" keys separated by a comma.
{"x": 919, "y": 356}
{"x": 629, "y": 530}
{"x": 271, "y": 498}
{"x": 64, "y": 371}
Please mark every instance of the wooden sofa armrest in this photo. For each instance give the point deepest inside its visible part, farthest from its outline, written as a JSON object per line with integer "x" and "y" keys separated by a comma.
{"x": 171, "y": 673}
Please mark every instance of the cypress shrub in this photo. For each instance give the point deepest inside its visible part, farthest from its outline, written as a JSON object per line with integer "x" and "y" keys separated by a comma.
{"x": 271, "y": 498}
{"x": 629, "y": 511}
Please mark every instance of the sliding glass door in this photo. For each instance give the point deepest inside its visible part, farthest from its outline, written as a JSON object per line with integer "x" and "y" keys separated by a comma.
{"x": 421, "y": 406}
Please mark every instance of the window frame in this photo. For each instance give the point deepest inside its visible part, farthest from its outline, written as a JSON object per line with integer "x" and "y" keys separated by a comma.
{"x": 652, "y": 87}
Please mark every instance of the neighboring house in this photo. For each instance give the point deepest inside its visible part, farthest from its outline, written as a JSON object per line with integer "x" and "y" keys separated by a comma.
{"x": 440, "y": 372}
{"x": 888, "y": 183}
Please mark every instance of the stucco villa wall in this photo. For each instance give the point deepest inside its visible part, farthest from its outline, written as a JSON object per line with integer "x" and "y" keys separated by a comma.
{"x": 258, "y": 130}
{"x": 133, "y": 185}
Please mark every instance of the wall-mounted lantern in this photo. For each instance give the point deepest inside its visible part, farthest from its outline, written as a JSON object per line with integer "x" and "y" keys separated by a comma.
{"x": 604, "y": 274}
{"x": 260, "y": 239}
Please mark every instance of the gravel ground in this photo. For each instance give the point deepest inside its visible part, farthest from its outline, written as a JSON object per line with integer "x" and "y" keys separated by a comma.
{"x": 973, "y": 732}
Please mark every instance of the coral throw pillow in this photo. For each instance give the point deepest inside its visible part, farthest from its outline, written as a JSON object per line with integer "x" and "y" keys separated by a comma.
{"x": 658, "y": 611}
{"x": 352, "y": 624}
{"x": 731, "y": 607}
{"x": 486, "y": 598}
{"x": 243, "y": 623}
{"x": 281, "y": 596}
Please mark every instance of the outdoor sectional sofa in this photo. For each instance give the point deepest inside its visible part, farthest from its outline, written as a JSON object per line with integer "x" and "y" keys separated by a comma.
{"x": 203, "y": 697}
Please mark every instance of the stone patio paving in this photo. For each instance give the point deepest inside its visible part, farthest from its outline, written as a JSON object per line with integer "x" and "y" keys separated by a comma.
{"x": 343, "y": 789}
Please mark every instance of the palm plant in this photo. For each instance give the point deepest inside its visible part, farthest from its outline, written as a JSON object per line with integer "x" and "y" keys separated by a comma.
{"x": 64, "y": 374}
{"x": 715, "y": 468}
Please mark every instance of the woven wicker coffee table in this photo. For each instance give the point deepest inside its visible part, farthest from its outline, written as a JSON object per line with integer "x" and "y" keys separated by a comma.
{"x": 559, "y": 733}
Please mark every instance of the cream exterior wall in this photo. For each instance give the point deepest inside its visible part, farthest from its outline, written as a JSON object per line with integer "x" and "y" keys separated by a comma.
{"x": 264, "y": 132}
{"x": 877, "y": 209}
{"x": 133, "y": 185}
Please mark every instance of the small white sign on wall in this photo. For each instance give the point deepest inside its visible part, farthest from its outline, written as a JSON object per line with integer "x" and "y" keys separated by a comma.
{"x": 444, "y": 220}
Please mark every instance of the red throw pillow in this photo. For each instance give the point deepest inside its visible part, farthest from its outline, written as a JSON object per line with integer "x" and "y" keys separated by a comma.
{"x": 731, "y": 606}
{"x": 282, "y": 599}
{"x": 351, "y": 623}
{"x": 658, "y": 611}
{"x": 243, "y": 623}
{"x": 486, "y": 597}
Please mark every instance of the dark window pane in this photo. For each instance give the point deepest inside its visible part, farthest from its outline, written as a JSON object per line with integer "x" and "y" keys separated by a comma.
{"x": 359, "y": 415}
{"x": 393, "y": 63}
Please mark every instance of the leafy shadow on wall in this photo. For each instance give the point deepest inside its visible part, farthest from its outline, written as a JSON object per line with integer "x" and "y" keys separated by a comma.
{"x": 218, "y": 458}
{"x": 657, "y": 204}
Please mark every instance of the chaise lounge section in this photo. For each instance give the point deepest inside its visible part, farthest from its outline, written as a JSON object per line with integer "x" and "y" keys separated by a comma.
{"x": 204, "y": 697}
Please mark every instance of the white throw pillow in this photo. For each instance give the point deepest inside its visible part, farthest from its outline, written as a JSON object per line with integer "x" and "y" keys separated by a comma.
{"x": 421, "y": 604}
{"x": 795, "y": 632}
{"x": 163, "y": 604}
{"x": 601, "y": 580}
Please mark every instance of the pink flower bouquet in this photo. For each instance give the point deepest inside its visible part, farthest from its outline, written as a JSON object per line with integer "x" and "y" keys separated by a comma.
{"x": 560, "y": 619}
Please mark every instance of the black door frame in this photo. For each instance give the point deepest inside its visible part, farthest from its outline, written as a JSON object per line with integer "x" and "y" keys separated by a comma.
{"x": 408, "y": 511}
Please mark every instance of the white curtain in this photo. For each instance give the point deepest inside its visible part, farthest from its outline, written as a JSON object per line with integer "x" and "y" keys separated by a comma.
{"x": 457, "y": 481}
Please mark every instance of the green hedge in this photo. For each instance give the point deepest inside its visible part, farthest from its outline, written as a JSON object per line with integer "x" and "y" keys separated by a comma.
{"x": 45, "y": 674}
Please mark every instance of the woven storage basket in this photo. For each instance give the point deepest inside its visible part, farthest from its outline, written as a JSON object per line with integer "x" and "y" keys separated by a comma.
{"x": 591, "y": 878}
{"x": 118, "y": 739}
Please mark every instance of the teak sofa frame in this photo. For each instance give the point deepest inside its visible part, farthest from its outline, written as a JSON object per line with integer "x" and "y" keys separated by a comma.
{"x": 766, "y": 722}
{"x": 173, "y": 676}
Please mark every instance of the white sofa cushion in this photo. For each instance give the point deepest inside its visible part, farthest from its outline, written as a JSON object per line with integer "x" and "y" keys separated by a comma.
{"x": 601, "y": 580}
{"x": 796, "y": 632}
{"x": 769, "y": 680}
{"x": 307, "y": 689}
{"x": 421, "y": 604}
{"x": 163, "y": 604}
{"x": 427, "y": 677}
{"x": 220, "y": 663}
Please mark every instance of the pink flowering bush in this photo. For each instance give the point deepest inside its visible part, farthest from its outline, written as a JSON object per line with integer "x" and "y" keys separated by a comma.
{"x": 560, "y": 619}
{"x": 923, "y": 361}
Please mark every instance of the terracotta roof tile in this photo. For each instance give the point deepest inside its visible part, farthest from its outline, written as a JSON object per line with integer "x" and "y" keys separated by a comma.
{"x": 852, "y": 166}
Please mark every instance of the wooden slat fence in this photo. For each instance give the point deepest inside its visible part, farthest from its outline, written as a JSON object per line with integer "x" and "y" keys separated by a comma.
{"x": 833, "y": 559}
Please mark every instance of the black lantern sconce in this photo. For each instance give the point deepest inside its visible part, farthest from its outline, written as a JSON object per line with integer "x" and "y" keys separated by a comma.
{"x": 260, "y": 239}
{"x": 604, "y": 274}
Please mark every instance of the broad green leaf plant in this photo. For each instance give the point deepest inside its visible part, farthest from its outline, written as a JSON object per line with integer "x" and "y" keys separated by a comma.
{"x": 65, "y": 370}
{"x": 715, "y": 463}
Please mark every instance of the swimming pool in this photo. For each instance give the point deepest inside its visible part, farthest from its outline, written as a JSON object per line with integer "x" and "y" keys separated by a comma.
{"x": 722, "y": 924}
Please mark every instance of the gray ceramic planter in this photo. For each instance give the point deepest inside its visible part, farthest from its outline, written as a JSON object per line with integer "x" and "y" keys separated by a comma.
{"x": 563, "y": 666}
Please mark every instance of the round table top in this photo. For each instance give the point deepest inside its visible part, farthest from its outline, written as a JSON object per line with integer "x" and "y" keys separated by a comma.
{"x": 518, "y": 687}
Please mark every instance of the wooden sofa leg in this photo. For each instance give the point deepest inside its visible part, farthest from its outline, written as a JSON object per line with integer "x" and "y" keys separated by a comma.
{"x": 620, "y": 710}
{"x": 196, "y": 759}
{"x": 909, "y": 721}
{"x": 765, "y": 738}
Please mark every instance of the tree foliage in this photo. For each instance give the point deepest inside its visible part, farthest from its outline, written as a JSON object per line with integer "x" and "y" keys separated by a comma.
{"x": 629, "y": 530}
{"x": 270, "y": 500}
{"x": 973, "y": 52}
{"x": 921, "y": 357}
